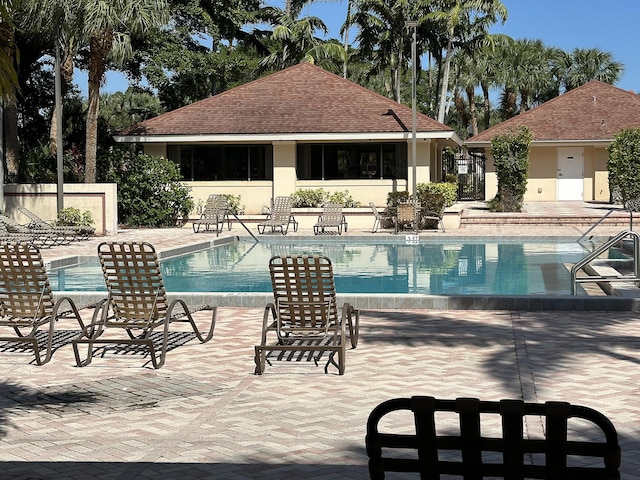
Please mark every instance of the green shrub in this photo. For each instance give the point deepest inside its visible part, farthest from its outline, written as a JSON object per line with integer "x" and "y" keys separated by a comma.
{"x": 624, "y": 168}
{"x": 343, "y": 198}
{"x": 150, "y": 192}
{"x": 74, "y": 217}
{"x": 394, "y": 198}
{"x": 309, "y": 197}
{"x": 233, "y": 204}
{"x": 511, "y": 161}
{"x": 448, "y": 190}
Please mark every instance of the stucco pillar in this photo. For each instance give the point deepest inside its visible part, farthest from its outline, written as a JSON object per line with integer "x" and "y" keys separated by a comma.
{"x": 423, "y": 162}
{"x": 284, "y": 168}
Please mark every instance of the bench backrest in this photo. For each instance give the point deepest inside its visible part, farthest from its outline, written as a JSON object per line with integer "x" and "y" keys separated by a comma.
{"x": 468, "y": 451}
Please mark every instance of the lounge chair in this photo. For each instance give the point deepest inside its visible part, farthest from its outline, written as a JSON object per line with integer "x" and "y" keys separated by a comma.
{"x": 407, "y": 216}
{"x": 137, "y": 304}
{"x": 27, "y": 303}
{"x": 304, "y": 316}
{"x": 279, "y": 217}
{"x": 330, "y": 218}
{"x": 39, "y": 237}
{"x": 586, "y": 447}
{"x": 377, "y": 218}
{"x": 216, "y": 213}
{"x": 72, "y": 232}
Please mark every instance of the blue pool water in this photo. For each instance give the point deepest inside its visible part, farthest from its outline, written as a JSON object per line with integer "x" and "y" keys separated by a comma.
{"x": 462, "y": 267}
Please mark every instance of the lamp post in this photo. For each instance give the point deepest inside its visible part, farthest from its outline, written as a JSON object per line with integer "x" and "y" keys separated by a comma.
{"x": 59, "y": 154}
{"x": 413, "y": 24}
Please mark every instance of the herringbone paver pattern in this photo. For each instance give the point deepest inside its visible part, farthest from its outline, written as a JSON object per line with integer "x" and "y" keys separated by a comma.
{"x": 205, "y": 415}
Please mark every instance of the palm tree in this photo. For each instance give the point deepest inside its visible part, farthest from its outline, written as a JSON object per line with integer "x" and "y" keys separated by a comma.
{"x": 296, "y": 42}
{"x": 464, "y": 24}
{"x": 383, "y": 37}
{"x": 8, "y": 75}
{"x": 108, "y": 27}
{"x": 585, "y": 64}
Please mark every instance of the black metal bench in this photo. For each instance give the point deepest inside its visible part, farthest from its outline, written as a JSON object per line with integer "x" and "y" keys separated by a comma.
{"x": 464, "y": 452}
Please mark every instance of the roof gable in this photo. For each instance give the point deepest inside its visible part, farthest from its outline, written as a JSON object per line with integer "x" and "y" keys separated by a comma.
{"x": 594, "y": 111}
{"x": 300, "y": 99}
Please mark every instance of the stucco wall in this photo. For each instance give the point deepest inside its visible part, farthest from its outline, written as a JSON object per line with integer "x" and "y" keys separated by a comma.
{"x": 542, "y": 185}
{"x": 101, "y": 199}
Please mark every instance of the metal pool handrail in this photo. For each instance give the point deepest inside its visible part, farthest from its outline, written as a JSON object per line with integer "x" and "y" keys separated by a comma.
{"x": 598, "y": 251}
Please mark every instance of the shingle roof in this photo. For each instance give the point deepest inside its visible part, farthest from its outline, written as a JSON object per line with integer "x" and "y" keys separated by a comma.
{"x": 300, "y": 99}
{"x": 591, "y": 112}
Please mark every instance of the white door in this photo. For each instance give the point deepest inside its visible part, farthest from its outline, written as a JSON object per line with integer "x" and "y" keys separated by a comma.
{"x": 570, "y": 173}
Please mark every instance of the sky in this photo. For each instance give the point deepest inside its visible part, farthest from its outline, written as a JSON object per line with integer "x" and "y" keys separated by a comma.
{"x": 609, "y": 26}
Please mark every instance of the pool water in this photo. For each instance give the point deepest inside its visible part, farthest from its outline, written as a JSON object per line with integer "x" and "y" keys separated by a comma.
{"x": 508, "y": 267}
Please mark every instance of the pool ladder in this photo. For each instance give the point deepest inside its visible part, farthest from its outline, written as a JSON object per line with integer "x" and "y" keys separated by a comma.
{"x": 635, "y": 278}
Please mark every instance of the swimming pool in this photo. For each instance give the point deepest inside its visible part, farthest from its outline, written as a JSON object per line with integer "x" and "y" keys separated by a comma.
{"x": 398, "y": 267}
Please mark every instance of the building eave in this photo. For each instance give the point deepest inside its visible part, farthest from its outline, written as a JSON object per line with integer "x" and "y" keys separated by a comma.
{"x": 450, "y": 136}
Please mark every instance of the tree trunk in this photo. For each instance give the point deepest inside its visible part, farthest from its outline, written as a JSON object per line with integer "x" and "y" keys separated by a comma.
{"x": 487, "y": 105}
{"x": 100, "y": 46}
{"x": 12, "y": 144}
{"x": 445, "y": 83}
{"x": 66, "y": 73}
{"x": 473, "y": 114}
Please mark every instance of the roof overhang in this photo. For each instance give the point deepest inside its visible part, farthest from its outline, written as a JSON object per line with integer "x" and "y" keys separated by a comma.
{"x": 447, "y": 135}
{"x": 548, "y": 143}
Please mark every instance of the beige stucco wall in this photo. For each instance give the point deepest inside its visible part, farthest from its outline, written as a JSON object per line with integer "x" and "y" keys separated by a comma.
{"x": 543, "y": 186}
{"x": 101, "y": 199}
{"x": 255, "y": 195}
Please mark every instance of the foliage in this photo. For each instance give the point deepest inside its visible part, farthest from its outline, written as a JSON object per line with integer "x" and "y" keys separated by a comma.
{"x": 624, "y": 168}
{"x": 432, "y": 202}
{"x": 448, "y": 191}
{"x": 74, "y": 217}
{"x": 310, "y": 197}
{"x": 511, "y": 161}
{"x": 343, "y": 198}
{"x": 233, "y": 204}
{"x": 394, "y": 198}
{"x": 150, "y": 193}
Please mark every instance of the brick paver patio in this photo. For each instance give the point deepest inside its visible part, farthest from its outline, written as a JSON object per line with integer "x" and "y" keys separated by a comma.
{"x": 206, "y": 415}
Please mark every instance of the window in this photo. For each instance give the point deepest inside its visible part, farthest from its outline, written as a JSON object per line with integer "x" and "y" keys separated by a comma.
{"x": 223, "y": 162}
{"x": 352, "y": 161}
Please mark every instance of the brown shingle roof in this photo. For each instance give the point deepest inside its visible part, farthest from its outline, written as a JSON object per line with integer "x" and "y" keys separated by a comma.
{"x": 300, "y": 99}
{"x": 591, "y": 112}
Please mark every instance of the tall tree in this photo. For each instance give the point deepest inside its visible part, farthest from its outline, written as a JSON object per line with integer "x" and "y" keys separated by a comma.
{"x": 585, "y": 64}
{"x": 108, "y": 26}
{"x": 465, "y": 24}
{"x": 295, "y": 41}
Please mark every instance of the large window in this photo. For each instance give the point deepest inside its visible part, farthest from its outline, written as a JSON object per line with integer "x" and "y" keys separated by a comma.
{"x": 223, "y": 162}
{"x": 352, "y": 161}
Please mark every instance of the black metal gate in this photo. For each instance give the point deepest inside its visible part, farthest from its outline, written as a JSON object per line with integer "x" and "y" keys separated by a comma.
{"x": 468, "y": 167}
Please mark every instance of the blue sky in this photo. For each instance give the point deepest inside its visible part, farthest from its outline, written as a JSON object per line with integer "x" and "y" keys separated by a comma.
{"x": 610, "y": 26}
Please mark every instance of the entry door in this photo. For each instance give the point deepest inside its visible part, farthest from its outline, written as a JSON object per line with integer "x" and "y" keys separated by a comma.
{"x": 570, "y": 173}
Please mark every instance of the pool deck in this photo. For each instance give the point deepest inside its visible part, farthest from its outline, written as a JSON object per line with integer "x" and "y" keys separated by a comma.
{"x": 206, "y": 415}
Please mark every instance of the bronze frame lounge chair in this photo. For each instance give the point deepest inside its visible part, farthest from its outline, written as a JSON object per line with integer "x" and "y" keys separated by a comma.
{"x": 279, "y": 217}
{"x": 27, "y": 302}
{"x": 216, "y": 212}
{"x": 69, "y": 231}
{"x": 137, "y": 304}
{"x": 304, "y": 315}
{"x": 330, "y": 218}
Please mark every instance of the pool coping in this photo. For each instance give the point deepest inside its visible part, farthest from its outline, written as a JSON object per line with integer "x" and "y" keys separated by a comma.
{"x": 380, "y": 301}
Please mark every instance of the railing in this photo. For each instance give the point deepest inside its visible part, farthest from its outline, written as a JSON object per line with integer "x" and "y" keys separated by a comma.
{"x": 609, "y": 212}
{"x": 599, "y": 251}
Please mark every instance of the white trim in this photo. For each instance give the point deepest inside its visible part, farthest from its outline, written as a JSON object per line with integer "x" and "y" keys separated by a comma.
{"x": 550, "y": 143}
{"x": 288, "y": 137}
